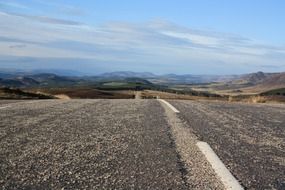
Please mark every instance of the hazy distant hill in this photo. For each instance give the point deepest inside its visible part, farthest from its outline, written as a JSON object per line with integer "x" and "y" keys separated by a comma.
{"x": 44, "y": 79}
{"x": 254, "y": 81}
{"x": 192, "y": 79}
{"x": 274, "y": 81}
{"x": 128, "y": 74}
{"x": 253, "y": 78}
{"x": 20, "y": 81}
{"x": 169, "y": 78}
{"x": 5, "y": 73}
{"x": 52, "y": 78}
{"x": 60, "y": 72}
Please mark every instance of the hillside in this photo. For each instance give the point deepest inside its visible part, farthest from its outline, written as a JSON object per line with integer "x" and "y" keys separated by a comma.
{"x": 7, "y": 93}
{"x": 86, "y": 93}
{"x": 18, "y": 82}
{"x": 196, "y": 85}
{"x": 254, "y": 78}
{"x": 18, "y": 78}
{"x": 272, "y": 82}
{"x": 125, "y": 84}
{"x": 275, "y": 92}
{"x": 43, "y": 79}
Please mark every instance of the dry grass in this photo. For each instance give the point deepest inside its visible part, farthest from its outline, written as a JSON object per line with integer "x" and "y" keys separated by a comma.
{"x": 85, "y": 93}
{"x": 90, "y": 93}
{"x": 230, "y": 99}
{"x": 62, "y": 97}
{"x": 7, "y": 93}
{"x": 257, "y": 99}
{"x": 248, "y": 99}
{"x": 149, "y": 94}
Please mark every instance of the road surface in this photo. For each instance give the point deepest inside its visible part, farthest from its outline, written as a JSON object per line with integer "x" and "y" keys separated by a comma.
{"x": 136, "y": 144}
{"x": 249, "y": 139}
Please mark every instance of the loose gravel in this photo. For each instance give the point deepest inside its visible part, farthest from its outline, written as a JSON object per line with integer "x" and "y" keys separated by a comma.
{"x": 248, "y": 138}
{"x": 87, "y": 144}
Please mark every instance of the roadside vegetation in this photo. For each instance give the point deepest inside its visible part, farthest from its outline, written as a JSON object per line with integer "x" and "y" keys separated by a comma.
{"x": 85, "y": 93}
{"x": 7, "y": 93}
{"x": 46, "y": 86}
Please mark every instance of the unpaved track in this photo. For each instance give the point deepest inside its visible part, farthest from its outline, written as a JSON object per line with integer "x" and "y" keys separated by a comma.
{"x": 87, "y": 144}
{"x": 249, "y": 139}
{"x": 138, "y": 95}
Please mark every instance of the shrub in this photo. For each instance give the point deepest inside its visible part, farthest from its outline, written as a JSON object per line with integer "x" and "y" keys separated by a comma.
{"x": 257, "y": 99}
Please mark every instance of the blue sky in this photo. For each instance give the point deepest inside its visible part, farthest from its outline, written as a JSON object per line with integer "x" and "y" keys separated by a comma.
{"x": 161, "y": 36}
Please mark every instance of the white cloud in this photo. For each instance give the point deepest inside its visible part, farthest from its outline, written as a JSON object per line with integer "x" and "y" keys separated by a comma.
{"x": 152, "y": 43}
{"x": 194, "y": 38}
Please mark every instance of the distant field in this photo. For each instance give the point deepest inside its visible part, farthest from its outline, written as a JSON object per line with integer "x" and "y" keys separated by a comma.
{"x": 217, "y": 88}
{"x": 133, "y": 84}
{"x": 126, "y": 89}
{"x": 115, "y": 84}
{"x": 278, "y": 92}
{"x": 87, "y": 93}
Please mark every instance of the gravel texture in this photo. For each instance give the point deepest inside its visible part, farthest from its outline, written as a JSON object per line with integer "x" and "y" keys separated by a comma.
{"x": 87, "y": 144}
{"x": 197, "y": 172}
{"x": 138, "y": 144}
{"x": 249, "y": 138}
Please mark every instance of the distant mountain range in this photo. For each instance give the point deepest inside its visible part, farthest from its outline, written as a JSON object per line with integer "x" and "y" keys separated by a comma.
{"x": 253, "y": 78}
{"x": 269, "y": 82}
{"x": 5, "y": 73}
{"x": 170, "y": 78}
{"x": 33, "y": 79}
{"x": 42, "y": 79}
{"x": 128, "y": 74}
{"x": 274, "y": 79}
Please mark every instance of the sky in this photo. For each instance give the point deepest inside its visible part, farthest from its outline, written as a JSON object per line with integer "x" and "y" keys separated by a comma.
{"x": 163, "y": 36}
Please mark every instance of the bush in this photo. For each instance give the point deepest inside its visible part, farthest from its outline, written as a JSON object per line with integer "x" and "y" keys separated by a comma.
{"x": 258, "y": 99}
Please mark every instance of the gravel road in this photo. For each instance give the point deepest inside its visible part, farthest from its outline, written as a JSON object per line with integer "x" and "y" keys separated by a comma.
{"x": 138, "y": 144}
{"x": 87, "y": 144}
{"x": 249, "y": 139}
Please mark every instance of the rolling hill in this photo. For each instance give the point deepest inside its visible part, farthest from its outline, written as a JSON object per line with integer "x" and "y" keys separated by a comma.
{"x": 7, "y": 93}
{"x": 252, "y": 83}
{"x": 43, "y": 79}
{"x": 255, "y": 78}
{"x": 128, "y": 74}
{"x": 18, "y": 82}
{"x": 274, "y": 81}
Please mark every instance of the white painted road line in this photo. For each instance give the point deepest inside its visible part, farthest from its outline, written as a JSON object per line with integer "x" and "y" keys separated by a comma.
{"x": 227, "y": 178}
{"x": 169, "y": 105}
